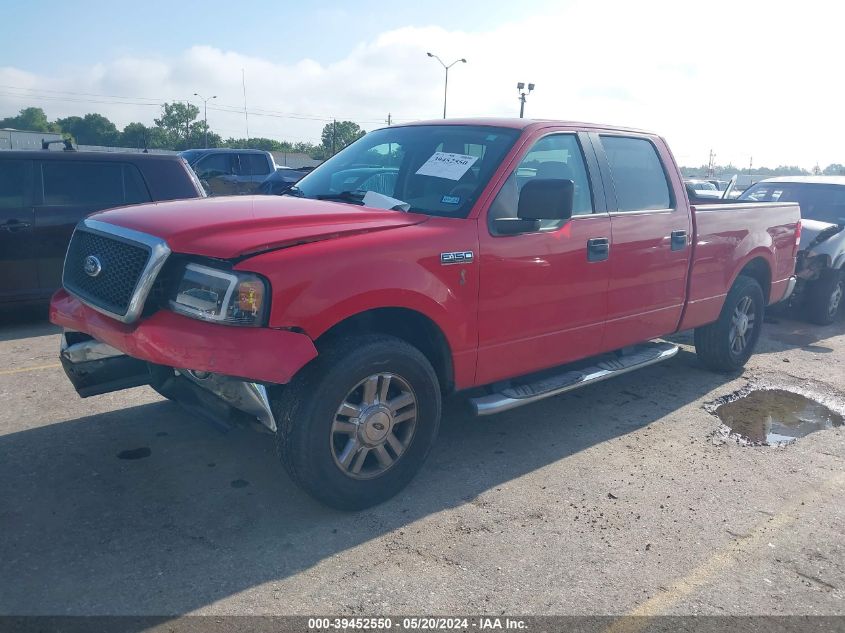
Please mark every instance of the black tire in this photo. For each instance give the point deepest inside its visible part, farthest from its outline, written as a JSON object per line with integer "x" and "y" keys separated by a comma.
{"x": 308, "y": 408}
{"x": 825, "y": 297}
{"x": 161, "y": 379}
{"x": 714, "y": 344}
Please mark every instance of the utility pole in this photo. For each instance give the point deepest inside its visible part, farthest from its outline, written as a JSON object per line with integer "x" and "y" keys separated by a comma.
{"x": 205, "y": 116}
{"x": 388, "y": 119}
{"x": 246, "y": 117}
{"x": 711, "y": 165}
{"x": 520, "y": 88}
{"x": 446, "y": 83}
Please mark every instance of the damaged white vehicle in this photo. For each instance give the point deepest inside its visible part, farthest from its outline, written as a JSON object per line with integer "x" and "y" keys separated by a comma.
{"x": 821, "y": 261}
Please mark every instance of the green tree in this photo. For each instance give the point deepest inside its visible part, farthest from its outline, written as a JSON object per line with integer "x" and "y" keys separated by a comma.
{"x": 92, "y": 129}
{"x": 30, "y": 119}
{"x": 140, "y": 136}
{"x": 834, "y": 169}
{"x": 179, "y": 125}
{"x": 339, "y": 134}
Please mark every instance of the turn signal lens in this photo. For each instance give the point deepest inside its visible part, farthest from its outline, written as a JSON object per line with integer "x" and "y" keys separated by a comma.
{"x": 251, "y": 297}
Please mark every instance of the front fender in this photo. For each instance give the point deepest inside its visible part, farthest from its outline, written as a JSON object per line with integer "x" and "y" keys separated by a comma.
{"x": 316, "y": 286}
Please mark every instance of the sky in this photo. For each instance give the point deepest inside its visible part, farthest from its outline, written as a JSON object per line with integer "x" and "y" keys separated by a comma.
{"x": 758, "y": 83}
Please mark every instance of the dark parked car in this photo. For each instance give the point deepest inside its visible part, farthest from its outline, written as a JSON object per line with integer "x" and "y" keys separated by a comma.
{"x": 44, "y": 194}
{"x": 227, "y": 172}
{"x": 280, "y": 181}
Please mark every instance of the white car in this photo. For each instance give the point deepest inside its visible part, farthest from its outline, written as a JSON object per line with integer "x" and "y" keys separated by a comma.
{"x": 821, "y": 260}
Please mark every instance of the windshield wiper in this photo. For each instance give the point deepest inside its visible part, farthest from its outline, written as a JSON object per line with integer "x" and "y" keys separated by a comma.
{"x": 355, "y": 197}
{"x": 293, "y": 191}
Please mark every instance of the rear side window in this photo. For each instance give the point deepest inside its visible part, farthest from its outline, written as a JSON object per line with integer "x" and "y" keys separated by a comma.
{"x": 135, "y": 190}
{"x": 93, "y": 184}
{"x": 14, "y": 184}
{"x": 638, "y": 175}
{"x": 254, "y": 165}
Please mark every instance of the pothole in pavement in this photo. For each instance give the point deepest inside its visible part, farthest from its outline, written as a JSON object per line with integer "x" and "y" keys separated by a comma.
{"x": 773, "y": 417}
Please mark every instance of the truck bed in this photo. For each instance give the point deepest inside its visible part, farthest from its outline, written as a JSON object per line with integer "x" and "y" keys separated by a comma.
{"x": 728, "y": 236}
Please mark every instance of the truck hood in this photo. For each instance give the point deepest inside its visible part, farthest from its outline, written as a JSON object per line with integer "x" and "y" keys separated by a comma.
{"x": 238, "y": 226}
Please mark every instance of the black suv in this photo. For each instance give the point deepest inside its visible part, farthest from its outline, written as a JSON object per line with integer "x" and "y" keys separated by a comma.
{"x": 44, "y": 194}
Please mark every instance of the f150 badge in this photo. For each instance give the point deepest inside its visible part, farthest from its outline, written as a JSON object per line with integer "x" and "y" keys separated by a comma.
{"x": 456, "y": 257}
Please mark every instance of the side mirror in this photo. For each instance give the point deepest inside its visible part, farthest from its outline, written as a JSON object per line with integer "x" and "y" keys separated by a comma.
{"x": 546, "y": 199}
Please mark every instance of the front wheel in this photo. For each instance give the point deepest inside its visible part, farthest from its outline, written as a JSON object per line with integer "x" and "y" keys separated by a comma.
{"x": 824, "y": 297}
{"x": 727, "y": 344}
{"x": 357, "y": 424}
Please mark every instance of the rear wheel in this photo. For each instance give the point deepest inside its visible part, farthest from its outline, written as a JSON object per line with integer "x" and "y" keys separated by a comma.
{"x": 727, "y": 344}
{"x": 357, "y": 424}
{"x": 825, "y": 297}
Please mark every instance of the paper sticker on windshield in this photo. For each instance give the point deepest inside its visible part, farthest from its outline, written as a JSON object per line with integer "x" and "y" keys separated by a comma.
{"x": 450, "y": 200}
{"x": 447, "y": 165}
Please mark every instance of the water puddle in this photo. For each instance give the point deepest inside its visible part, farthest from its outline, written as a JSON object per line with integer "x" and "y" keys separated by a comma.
{"x": 775, "y": 416}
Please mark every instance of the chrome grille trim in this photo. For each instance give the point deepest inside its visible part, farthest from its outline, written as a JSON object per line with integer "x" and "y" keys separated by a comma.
{"x": 159, "y": 252}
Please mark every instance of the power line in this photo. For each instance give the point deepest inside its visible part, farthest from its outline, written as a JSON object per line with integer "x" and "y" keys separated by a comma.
{"x": 106, "y": 99}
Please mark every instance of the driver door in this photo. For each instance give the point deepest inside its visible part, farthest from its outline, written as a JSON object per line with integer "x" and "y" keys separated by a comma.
{"x": 543, "y": 295}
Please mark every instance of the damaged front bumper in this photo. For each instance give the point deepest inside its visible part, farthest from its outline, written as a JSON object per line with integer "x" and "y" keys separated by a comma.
{"x": 220, "y": 370}
{"x": 96, "y": 368}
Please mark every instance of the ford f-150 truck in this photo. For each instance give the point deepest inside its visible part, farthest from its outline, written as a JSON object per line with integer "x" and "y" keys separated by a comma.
{"x": 511, "y": 259}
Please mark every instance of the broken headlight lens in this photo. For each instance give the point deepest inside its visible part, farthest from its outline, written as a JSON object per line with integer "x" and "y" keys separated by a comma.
{"x": 221, "y": 296}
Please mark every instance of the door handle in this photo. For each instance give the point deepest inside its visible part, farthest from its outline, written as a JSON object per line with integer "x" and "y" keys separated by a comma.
{"x": 598, "y": 249}
{"x": 679, "y": 240}
{"x": 13, "y": 226}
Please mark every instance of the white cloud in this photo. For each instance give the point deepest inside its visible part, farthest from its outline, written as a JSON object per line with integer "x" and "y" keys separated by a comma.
{"x": 745, "y": 79}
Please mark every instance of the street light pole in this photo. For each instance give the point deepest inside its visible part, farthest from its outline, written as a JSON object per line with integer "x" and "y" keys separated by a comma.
{"x": 520, "y": 87}
{"x": 205, "y": 116}
{"x": 446, "y": 83}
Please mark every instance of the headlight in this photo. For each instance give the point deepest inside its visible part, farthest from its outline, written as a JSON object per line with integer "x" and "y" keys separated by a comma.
{"x": 221, "y": 296}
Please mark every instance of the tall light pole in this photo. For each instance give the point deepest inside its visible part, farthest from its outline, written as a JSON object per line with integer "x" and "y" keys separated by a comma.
{"x": 205, "y": 107}
{"x": 520, "y": 88}
{"x": 446, "y": 83}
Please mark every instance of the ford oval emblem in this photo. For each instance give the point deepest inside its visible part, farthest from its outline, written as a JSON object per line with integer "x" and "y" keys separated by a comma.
{"x": 92, "y": 266}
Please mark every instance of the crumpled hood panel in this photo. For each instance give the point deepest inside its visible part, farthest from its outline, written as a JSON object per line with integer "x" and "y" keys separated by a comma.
{"x": 236, "y": 226}
{"x": 810, "y": 229}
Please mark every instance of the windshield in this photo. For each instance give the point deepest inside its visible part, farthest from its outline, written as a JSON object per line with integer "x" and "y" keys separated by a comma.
{"x": 822, "y": 202}
{"x": 433, "y": 169}
{"x": 191, "y": 155}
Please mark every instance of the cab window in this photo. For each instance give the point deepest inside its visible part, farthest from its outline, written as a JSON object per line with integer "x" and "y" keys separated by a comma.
{"x": 638, "y": 176}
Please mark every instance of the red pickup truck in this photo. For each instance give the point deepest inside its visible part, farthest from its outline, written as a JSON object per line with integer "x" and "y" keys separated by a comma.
{"x": 520, "y": 259}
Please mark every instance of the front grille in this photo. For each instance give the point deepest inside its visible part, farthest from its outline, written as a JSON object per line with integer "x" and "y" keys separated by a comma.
{"x": 121, "y": 264}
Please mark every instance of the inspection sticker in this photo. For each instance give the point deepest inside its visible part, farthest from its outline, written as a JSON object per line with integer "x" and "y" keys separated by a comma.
{"x": 447, "y": 165}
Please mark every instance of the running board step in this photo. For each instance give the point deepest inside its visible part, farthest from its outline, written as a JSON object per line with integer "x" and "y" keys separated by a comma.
{"x": 602, "y": 367}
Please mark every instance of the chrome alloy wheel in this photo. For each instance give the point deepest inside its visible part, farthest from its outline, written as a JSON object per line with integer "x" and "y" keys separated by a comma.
{"x": 373, "y": 426}
{"x": 742, "y": 325}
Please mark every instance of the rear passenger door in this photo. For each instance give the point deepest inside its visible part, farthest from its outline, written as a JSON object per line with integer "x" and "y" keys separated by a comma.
{"x": 18, "y": 250}
{"x": 69, "y": 190}
{"x": 650, "y": 249}
{"x": 254, "y": 168}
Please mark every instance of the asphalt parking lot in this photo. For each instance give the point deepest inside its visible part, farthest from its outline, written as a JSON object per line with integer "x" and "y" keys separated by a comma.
{"x": 619, "y": 498}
